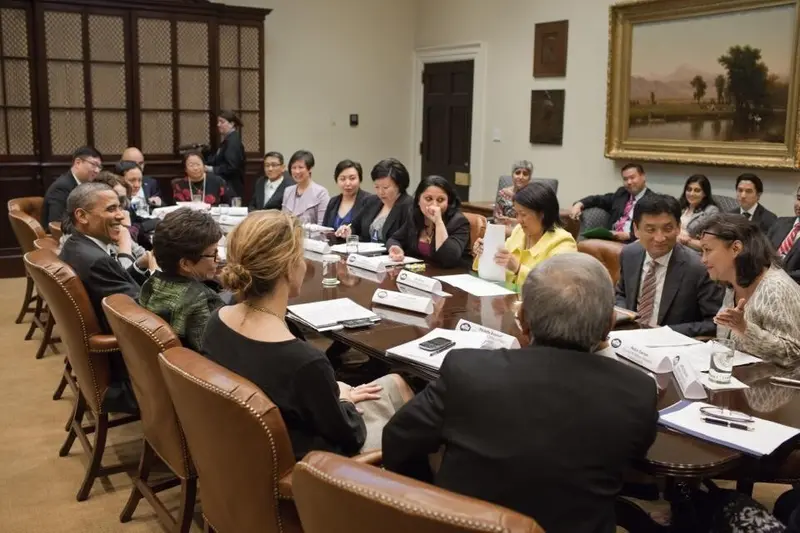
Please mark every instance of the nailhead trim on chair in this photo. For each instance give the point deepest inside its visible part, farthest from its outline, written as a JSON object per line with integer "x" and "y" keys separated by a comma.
{"x": 252, "y": 411}
{"x": 403, "y": 506}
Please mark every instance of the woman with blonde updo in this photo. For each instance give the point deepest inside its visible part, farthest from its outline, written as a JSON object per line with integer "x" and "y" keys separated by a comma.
{"x": 265, "y": 269}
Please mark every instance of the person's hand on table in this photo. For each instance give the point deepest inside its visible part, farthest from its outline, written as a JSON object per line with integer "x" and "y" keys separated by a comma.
{"x": 396, "y": 253}
{"x": 576, "y": 210}
{"x": 621, "y": 236}
{"x": 506, "y": 259}
{"x": 733, "y": 318}
{"x": 344, "y": 231}
{"x": 477, "y": 248}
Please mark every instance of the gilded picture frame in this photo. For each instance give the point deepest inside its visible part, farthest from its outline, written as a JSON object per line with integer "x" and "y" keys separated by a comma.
{"x": 704, "y": 82}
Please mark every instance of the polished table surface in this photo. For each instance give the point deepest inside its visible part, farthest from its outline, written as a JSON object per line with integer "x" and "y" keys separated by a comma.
{"x": 672, "y": 453}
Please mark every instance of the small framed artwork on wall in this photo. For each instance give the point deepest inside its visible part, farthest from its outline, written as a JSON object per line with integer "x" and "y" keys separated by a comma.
{"x": 550, "y": 49}
{"x": 547, "y": 117}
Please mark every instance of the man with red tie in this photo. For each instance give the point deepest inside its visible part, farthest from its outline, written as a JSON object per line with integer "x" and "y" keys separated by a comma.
{"x": 619, "y": 204}
{"x": 784, "y": 235}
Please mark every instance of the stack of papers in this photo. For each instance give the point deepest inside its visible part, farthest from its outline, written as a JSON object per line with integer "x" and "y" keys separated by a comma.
{"x": 363, "y": 248}
{"x": 316, "y": 227}
{"x": 411, "y": 353}
{"x": 229, "y": 211}
{"x": 474, "y": 285}
{"x": 329, "y": 315}
{"x": 765, "y": 438}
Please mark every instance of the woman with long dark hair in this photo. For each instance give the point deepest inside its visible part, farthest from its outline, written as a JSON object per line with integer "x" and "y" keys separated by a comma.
{"x": 697, "y": 205}
{"x": 437, "y": 230}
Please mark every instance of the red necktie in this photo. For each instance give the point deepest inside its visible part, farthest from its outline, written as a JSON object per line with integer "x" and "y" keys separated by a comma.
{"x": 788, "y": 242}
{"x": 626, "y": 215}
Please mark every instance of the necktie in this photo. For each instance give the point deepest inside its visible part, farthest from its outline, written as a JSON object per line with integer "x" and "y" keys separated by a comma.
{"x": 788, "y": 242}
{"x": 746, "y": 215}
{"x": 626, "y": 215}
{"x": 647, "y": 298}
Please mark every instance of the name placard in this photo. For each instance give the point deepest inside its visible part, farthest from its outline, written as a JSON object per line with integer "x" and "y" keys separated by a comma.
{"x": 495, "y": 339}
{"x": 321, "y": 247}
{"x": 373, "y": 264}
{"x": 408, "y": 302}
{"x": 687, "y": 379}
{"x": 418, "y": 281}
{"x": 654, "y": 362}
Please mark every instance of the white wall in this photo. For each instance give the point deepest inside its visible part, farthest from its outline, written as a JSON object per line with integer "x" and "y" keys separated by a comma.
{"x": 506, "y": 27}
{"x": 326, "y": 59}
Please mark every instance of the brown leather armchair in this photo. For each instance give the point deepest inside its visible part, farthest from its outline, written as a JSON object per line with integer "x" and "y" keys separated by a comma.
{"x": 27, "y": 229}
{"x": 142, "y": 335}
{"x": 477, "y": 227}
{"x": 55, "y": 229}
{"x": 607, "y": 252}
{"x": 88, "y": 351}
{"x": 568, "y": 223}
{"x": 237, "y": 439}
{"x": 331, "y": 490}
{"x": 30, "y": 205}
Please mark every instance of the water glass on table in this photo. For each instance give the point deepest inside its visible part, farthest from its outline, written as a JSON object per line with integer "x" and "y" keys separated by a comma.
{"x": 197, "y": 198}
{"x": 236, "y": 201}
{"x": 721, "y": 367}
{"x": 330, "y": 276}
{"x": 352, "y": 244}
{"x": 224, "y": 209}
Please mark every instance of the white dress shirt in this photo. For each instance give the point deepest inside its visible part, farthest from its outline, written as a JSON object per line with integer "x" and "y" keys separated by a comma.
{"x": 629, "y": 223}
{"x": 661, "y": 275}
{"x": 752, "y": 210}
{"x": 270, "y": 187}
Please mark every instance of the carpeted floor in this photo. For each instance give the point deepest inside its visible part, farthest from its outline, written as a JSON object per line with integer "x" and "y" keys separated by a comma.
{"x": 37, "y": 487}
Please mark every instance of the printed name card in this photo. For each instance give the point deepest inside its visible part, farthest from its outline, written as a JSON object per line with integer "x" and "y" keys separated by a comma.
{"x": 409, "y": 302}
{"x": 418, "y": 281}
{"x": 373, "y": 264}
{"x": 687, "y": 378}
{"x": 495, "y": 339}
{"x": 651, "y": 360}
{"x": 321, "y": 247}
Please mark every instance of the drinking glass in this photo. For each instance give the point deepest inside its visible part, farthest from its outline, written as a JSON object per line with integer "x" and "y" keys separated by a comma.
{"x": 224, "y": 209}
{"x": 236, "y": 201}
{"x": 197, "y": 198}
{"x": 721, "y": 368}
{"x": 329, "y": 274}
{"x": 352, "y": 244}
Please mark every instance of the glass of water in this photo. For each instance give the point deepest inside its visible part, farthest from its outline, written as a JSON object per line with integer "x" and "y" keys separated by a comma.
{"x": 329, "y": 274}
{"x": 224, "y": 209}
{"x": 721, "y": 368}
{"x": 197, "y": 198}
{"x": 236, "y": 201}
{"x": 352, "y": 244}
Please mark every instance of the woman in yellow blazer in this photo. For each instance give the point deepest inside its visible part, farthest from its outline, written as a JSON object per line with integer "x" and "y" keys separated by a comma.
{"x": 538, "y": 235}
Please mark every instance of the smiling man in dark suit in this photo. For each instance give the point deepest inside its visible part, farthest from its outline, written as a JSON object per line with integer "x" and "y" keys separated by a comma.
{"x": 268, "y": 192}
{"x": 662, "y": 280}
{"x": 86, "y": 163}
{"x": 749, "y": 189}
{"x": 785, "y": 236}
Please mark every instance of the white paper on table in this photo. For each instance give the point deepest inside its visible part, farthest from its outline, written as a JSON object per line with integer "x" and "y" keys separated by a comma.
{"x": 493, "y": 240}
{"x": 314, "y": 256}
{"x": 411, "y": 351}
{"x": 700, "y": 356}
{"x": 373, "y": 264}
{"x": 406, "y": 261}
{"x": 327, "y": 315}
{"x": 316, "y": 227}
{"x": 320, "y": 247}
{"x": 685, "y": 416}
{"x": 230, "y": 211}
{"x": 161, "y": 212}
{"x": 654, "y": 337}
{"x": 376, "y": 277}
{"x": 409, "y": 302}
{"x": 423, "y": 283}
{"x": 657, "y": 361}
{"x": 688, "y": 380}
{"x": 363, "y": 248}
{"x": 404, "y": 318}
{"x": 230, "y": 220}
{"x": 495, "y": 339}
{"x": 474, "y": 285}
{"x": 734, "y": 384}
{"x": 197, "y": 206}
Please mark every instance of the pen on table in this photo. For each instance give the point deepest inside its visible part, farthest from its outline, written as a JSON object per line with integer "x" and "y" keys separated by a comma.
{"x": 440, "y": 350}
{"x": 725, "y": 423}
{"x": 789, "y": 382}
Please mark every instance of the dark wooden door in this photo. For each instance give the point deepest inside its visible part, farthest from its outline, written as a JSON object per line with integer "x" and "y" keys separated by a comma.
{"x": 447, "y": 120}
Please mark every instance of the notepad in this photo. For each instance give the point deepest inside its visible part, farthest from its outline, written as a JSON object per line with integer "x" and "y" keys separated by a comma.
{"x": 328, "y": 315}
{"x": 363, "y": 248}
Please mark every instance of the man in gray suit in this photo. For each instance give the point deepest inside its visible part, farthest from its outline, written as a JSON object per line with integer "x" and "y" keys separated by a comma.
{"x": 662, "y": 280}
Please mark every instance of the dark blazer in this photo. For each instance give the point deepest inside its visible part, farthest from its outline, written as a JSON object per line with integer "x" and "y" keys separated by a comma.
{"x": 455, "y": 250}
{"x": 101, "y": 274}
{"x": 229, "y": 160}
{"x": 333, "y": 208}
{"x": 397, "y": 218}
{"x": 275, "y": 201}
{"x": 777, "y": 234}
{"x": 55, "y": 199}
{"x": 547, "y": 432}
{"x": 613, "y": 202}
{"x": 689, "y": 299}
{"x": 762, "y": 216}
{"x": 151, "y": 188}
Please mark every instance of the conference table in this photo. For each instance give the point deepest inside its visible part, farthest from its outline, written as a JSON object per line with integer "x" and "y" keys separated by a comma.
{"x": 684, "y": 461}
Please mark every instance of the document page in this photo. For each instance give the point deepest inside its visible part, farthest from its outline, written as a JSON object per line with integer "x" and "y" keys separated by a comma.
{"x": 474, "y": 285}
{"x": 493, "y": 240}
{"x": 412, "y": 353}
{"x": 327, "y": 315}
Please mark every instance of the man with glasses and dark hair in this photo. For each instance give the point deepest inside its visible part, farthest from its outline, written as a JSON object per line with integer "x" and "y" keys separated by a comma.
{"x": 86, "y": 163}
{"x": 268, "y": 192}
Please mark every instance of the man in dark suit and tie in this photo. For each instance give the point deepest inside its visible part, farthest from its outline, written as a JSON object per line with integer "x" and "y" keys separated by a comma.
{"x": 546, "y": 430}
{"x": 268, "y": 192}
{"x": 97, "y": 243}
{"x": 86, "y": 163}
{"x": 784, "y": 235}
{"x": 620, "y": 203}
{"x": 748, "y": 192}
{"x": 662, "y": 280}
{"x": 150, "y": 191}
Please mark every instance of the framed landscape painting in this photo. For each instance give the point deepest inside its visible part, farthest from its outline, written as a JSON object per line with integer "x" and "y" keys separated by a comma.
{"x": 705, "y": 82}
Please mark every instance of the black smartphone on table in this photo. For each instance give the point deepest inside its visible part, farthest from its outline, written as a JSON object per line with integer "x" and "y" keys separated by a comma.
{"x": 436, "y": 345}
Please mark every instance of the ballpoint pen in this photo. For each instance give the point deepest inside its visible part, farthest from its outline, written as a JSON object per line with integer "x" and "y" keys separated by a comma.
{"x": 734, "y": 425}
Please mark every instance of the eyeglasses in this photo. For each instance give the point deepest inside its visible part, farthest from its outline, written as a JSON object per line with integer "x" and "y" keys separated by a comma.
{"x": 214, "y": 256}
{"x": 92, "y": 164}
{"x": 272, "y": 165}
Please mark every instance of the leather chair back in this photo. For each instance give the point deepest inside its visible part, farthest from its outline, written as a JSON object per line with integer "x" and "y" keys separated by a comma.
{"x": 46, "y": 243}
{"x": 477, "y": 227}
{"x": 141, "y": 336}
{"x": 725, "y": 203}
{"x": 507, "y": 181}
{"x": 78, "y": 326}
{"x": 30, "y": 205}
{"x": 335, "y": 493}
{"x": 238, "y": 441}
{"x": 55, "y": 230}
{"x": 607, "y": 252}
{"x": 25, "y": 227}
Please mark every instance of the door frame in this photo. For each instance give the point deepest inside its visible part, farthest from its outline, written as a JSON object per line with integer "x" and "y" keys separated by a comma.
{"x": 476, "y": 52}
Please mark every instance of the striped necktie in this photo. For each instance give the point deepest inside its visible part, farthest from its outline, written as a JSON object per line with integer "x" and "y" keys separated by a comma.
{"x": 647, "y": 298}
{"x": 626, "y": 215}
{"x": 788, "y": 242}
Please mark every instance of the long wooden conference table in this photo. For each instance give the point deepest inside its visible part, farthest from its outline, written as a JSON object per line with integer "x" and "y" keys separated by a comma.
{"x": 680, "y": 458}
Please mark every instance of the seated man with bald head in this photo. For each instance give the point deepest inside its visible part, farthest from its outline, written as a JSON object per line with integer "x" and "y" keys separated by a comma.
{"x": 546, "y": 430}
{"x": 147, "y": 190}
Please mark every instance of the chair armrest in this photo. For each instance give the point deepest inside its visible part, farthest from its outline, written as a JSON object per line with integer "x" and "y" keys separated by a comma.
{"x": 374, "y": 458}
{"x": 103, "y": 343}
{"x": 285, "y": 487}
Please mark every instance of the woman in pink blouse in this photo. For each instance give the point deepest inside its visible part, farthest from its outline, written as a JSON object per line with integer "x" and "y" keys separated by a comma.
{"x": 306, "y": 200}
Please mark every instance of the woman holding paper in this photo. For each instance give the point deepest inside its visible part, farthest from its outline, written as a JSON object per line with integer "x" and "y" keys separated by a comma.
{"x": 344, "y": 208}
{"x": 265, "y": 268}
{"x": 305, "y": 199}
{"x": 537, "y": 236}
{"x": 761, "y": 307}
{"x": 437, "y": 230}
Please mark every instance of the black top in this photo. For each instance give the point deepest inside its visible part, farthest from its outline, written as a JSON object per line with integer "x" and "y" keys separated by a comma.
{"x": 299, "y": 379}
{"x": 55, "y": 199}
{"x": 276, "y": 200}
{"x": 229, "y": 161}
{"x": 762, "y": 217}
{"x": 452, "y": 253}
{"x": 614, "y": 203}
{"x": 332, "y": 211}
{"x": 397, "y": 217}
{"x": 547, "y": 432}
